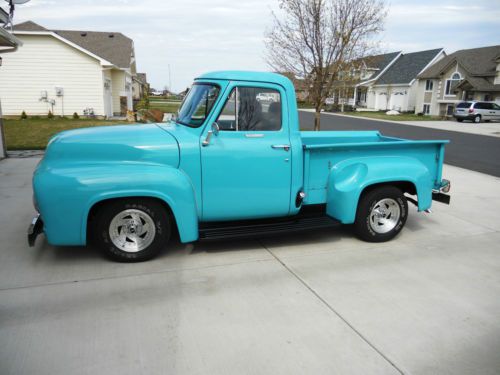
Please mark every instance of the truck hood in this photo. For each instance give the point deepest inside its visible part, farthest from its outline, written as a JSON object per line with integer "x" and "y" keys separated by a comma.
{"x": 146, "y": 143}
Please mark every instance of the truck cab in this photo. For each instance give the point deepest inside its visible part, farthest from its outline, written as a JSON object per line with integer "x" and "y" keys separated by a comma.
{"x": 233, "y": 163}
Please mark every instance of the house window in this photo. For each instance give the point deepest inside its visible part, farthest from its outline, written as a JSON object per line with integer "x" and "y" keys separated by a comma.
{"x": 450, "y": 83}
{"x": 488, "y": 98}
{"x": 427, "y": 109}
{"x": 429, "y": 85}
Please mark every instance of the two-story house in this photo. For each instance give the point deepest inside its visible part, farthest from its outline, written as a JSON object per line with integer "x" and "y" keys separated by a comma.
{"x": 389, "y": 81}
{"x": 470, "y": 74}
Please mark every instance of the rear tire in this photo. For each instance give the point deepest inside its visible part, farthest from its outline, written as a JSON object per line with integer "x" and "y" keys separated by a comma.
{"x": 381, "y": 214}
{"x": 477, "y": 119}
{"x": 132, "y": 230}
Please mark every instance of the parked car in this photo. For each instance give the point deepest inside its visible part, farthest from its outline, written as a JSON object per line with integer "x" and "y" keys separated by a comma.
{"x": 266, "y": 97}
{"x": 223, "y": 170}
{"x": 477, "y": 111}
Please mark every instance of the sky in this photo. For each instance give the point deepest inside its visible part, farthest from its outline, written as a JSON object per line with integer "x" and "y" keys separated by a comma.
{"x": 197, "y": 36}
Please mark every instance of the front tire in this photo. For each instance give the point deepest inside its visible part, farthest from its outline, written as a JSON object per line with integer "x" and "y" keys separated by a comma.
{"x": 477, "y": 119}
{"x": 132, "y": 230}
{"x": 381, "y": 214}
{"x": 460, "y": 119}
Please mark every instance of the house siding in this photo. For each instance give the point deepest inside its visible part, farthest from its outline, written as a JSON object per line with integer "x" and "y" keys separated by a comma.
{"x": 42, "y": 64}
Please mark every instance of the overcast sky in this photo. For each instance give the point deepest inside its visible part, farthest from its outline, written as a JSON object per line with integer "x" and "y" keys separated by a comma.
{"x": 195, "y": 36}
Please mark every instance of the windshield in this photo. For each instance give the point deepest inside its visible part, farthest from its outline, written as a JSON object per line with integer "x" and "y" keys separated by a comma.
{"x": 197, "y": 104}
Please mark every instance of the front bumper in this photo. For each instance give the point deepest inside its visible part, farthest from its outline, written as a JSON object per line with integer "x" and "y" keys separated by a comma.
{"x": 35, "y": 228}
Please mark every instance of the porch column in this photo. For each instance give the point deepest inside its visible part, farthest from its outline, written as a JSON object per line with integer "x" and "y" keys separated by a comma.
{"x": 355, "y": 95}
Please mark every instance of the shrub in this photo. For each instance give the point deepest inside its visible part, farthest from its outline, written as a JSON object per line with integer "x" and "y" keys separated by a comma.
{"x": 420, "y": 114}
{"x": 24, "y": 116}
{"x": 143, "y": 103}
{"x": 75, "y": 116}
{"x": 50, "y": 115}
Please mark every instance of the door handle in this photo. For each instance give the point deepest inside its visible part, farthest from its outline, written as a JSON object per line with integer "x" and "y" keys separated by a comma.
{"x": 284, "y": 147}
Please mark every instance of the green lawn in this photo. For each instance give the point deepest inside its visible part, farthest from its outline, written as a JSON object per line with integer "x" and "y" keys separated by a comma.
{"x": 164, "y": 104}
{"x": 33, "y": 134}
{"x": 401, "y": 117}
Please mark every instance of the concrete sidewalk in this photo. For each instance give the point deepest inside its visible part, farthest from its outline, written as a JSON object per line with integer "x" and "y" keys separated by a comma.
{"x": 491, "y": 129}
{"x": 316, "y": 303}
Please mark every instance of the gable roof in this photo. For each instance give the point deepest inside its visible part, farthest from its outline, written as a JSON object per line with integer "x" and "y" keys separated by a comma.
{"x": 380, "y": 61}
{"x": 111, "y": 46}
{"x": 407, "y": 66}
{"x": 28, "y": 26}
{"x": 476, "y": 61}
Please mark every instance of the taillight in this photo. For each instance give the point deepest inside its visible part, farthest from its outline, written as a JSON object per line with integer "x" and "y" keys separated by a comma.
{"x": 471, "y": 110}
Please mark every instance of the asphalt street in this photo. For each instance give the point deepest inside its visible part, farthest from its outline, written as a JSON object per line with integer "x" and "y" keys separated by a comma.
{"x": 475, "y": 152}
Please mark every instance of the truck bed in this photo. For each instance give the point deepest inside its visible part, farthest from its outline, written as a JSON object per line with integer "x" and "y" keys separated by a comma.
{"x": 326, "y": 149}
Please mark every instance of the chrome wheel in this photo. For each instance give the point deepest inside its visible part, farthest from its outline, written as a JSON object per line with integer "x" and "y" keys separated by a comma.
{"x": 384, "y": 215}
{"x": 132, "y": 230}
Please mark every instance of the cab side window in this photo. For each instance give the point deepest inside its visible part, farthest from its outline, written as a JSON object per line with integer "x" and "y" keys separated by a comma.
{"x": 251, "y": 109}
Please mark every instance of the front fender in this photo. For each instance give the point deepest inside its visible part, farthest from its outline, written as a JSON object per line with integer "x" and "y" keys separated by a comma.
{"x": 349, "y": 178}
{"x": 65, "y": 196}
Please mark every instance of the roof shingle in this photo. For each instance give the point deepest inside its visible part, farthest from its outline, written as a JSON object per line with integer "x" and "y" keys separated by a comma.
{"x": 111, "y": 46}
{"x": 476, "y": 61}
{"x": 407, "y": 66}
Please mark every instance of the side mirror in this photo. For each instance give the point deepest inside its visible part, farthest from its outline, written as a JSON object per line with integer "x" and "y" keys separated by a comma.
{"x": 214, "y": 130}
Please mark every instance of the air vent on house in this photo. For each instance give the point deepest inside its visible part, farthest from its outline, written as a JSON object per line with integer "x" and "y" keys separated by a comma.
{"x": 111, "y": 35}
{"x": 83, "y": 34}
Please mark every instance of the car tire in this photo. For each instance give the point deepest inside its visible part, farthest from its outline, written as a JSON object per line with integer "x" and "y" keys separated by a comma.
{"x": 477, "y": 119}
{"x": 132, "y": 230}
{"x": 381, "y": 214}
{"x": 460, "y": 119}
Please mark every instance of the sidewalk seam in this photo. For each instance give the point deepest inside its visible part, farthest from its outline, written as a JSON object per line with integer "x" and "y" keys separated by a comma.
{"x": 330, "y": 307}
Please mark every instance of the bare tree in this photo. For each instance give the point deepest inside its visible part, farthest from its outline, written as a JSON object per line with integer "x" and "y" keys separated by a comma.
{"x": 317, "y": 39}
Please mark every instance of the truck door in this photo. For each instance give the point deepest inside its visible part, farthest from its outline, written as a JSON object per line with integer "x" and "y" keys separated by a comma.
{"x": 246, "y": 167}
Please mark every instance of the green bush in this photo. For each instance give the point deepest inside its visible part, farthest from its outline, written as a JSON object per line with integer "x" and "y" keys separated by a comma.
{"x": 75, "y": 116}
{"x": 143, "y": 103}
{"x": 24, "y": 116}
{"x": 50, "y": 115}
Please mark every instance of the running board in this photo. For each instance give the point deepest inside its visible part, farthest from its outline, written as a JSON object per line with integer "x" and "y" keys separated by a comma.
{"x": 253, "y": 228}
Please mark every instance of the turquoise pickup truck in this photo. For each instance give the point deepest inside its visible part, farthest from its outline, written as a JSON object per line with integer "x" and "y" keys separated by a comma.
{"x": 233, "y": 163}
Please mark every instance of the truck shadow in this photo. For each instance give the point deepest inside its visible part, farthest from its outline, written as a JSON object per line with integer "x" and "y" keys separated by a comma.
{"x": 313, "y": 238}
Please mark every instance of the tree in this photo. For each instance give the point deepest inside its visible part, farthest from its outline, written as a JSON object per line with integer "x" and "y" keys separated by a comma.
{"x": 317, "y": 39}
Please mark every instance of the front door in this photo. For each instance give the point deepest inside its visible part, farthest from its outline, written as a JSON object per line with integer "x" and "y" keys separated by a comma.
{"x": 246, "y": 167}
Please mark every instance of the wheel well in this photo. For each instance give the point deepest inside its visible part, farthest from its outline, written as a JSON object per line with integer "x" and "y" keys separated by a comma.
{"x": 404, "y": 186}
{"x": 94, "y": 210}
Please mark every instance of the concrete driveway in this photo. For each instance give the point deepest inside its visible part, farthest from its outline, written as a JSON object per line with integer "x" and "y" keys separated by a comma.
{"x": 317, "y": 303}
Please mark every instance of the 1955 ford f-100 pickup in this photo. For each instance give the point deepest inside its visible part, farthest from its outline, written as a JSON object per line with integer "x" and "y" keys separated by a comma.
{"x": 233, "y": 163}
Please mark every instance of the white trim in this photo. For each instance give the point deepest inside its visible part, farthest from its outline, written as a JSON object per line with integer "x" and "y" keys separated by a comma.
{"x": 103, "y": 62}
{"x": 429, "y": 64}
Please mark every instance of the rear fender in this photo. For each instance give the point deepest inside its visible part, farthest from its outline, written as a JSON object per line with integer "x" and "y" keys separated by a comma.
{"x": 349, "y": 178}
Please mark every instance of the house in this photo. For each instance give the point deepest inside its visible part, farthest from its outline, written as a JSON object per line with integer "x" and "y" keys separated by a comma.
{"x": 8, "y": 43}
{"x": 469, "y": 74}
{"x": 352, "y": 86}
{"x": 67, "y": 71}
{"x": 396, "y": 87}
{"x": 140, "y": 86}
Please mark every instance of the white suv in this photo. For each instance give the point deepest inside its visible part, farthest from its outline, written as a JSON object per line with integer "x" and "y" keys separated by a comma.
{"x": 477, "y": 111}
